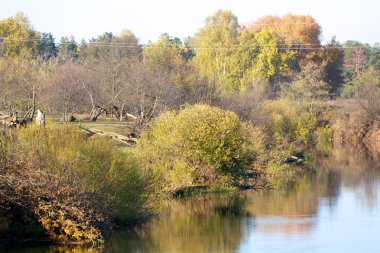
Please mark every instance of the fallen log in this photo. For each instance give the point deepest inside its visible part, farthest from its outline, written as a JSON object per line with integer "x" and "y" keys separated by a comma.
{"x": 129, "y": 140}
{"x": 180, "y": 192}
{"x": 12, "y": 122}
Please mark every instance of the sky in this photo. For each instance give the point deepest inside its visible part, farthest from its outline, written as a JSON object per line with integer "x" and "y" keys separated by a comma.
{"x": 85, "y": 19}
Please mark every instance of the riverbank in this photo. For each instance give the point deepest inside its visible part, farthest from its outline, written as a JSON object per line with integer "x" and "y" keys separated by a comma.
{"x": 73, "y": 187}
{"x": 343, "y": 185}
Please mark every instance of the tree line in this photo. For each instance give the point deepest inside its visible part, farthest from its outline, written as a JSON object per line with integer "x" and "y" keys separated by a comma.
{"x": 115, "y": 74}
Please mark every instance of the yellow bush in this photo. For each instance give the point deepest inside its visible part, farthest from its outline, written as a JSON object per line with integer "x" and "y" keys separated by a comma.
{"x": 195, "y": 145}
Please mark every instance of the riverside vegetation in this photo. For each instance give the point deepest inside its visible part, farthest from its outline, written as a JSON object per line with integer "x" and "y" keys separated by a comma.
{"x": 222, "y": 111}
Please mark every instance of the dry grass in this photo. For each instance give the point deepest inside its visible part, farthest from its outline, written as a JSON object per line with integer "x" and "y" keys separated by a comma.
{"x": 107, "y": 125}
{"x": 71, "y": 184}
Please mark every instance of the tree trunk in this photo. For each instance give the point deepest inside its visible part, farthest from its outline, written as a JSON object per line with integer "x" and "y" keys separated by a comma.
{"x": 40, "y": 119}
{"x": 95, "y": 113}
{"x": 121, "y": 115}
{"x": 34, "y": 104}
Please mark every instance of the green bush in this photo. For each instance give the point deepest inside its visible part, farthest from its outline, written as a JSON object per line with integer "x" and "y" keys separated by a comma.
{"x": 196, "y": 145}
{"x": 290, "y": 121}
{"x": 348, "y": 91}
{"x": 306, "y": 125}
{"x": 282, "y": 129}
{"x": 325, "y": 137}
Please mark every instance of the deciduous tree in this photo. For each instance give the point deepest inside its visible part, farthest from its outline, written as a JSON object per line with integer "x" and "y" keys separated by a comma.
{"x": 17, "y": 37}
{"x": 105, "y": 59}
{"x": 301, "y": 33}
{"x": 309, "y": 85}
{"x": 215, "y": 44}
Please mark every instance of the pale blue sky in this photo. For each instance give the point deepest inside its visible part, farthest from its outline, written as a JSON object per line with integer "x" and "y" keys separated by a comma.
{"x": 346, "y": 19}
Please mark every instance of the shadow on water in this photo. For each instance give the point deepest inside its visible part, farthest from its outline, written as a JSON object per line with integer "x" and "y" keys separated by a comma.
{"x": 215, "y": 223}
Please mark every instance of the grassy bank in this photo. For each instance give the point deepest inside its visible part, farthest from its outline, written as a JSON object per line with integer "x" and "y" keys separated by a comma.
{"x": 73, "y": 187}
{"x": 61, "y": 184}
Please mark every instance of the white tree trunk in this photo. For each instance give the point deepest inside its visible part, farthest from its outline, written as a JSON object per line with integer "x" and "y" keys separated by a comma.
{"x": 40, "y": 119}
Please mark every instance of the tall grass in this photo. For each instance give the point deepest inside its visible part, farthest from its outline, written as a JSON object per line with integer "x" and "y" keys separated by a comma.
{"x": 87, "y": 182}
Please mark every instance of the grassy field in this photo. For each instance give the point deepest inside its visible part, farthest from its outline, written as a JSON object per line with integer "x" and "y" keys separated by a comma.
{"x": 106, "y": 125}
{"x": 123, "y": 128}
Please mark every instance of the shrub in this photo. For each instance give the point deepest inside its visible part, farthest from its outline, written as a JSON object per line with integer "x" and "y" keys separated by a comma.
{"x": 324, "y": 135}
{"x": 73, "y": 184}
{"x": 196, "y": 145}
{"x": 291, "y": 121}
{"x": 309, "y": 85}
{"x": 282, "y": 129}
{"x": 348, "y": 91}
{"x": 306, "y": 125}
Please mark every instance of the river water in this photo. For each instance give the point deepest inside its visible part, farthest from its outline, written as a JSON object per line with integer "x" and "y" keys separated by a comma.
{"x": 333, "y": 208}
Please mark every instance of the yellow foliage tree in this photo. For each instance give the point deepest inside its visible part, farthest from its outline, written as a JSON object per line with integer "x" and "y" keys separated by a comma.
{"x": 215, "y": 44}
{"x": 300, "y": 33}
{"x": 17, "y": 37}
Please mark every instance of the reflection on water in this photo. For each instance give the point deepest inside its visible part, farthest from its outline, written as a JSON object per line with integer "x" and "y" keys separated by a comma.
{"x": 335, "y": 208}
{"x": 200, "y": 225}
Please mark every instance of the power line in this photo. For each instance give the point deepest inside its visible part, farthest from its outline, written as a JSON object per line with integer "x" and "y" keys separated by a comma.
{"x": 229, "y": 48}
{"x": 254, "y": 22}
{"x": 131, "y": 43}
{"x": 280, "y": 46}
{"x": 350, "y": 21}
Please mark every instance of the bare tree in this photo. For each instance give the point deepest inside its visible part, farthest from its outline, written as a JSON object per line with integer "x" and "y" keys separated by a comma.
{"x": 105, "y": 66}
{"x": 146, "y": 93}
{"x": 66, "y": 90}
{"x": 22, "y": 83}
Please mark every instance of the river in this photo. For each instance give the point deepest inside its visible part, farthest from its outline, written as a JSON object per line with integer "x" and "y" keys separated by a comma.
{"x": 333, "y": 208}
